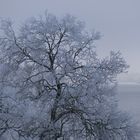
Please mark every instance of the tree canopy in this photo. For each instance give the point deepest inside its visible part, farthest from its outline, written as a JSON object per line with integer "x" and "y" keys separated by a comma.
{"x": 55, "y": 87}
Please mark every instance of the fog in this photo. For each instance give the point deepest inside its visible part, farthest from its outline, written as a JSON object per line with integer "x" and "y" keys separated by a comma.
{"x": 117, "y": 21}
{"x": 129, "y": 98}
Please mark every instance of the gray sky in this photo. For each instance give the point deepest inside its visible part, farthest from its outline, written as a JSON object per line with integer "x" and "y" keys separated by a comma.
{"x": 117, "y": 20}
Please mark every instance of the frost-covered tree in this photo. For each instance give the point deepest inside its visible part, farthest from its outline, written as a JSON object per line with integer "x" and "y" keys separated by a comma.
{"x": 54, "y": 86}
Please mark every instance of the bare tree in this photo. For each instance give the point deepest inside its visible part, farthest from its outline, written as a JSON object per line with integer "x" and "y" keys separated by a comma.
{"x": 53, "y": 85}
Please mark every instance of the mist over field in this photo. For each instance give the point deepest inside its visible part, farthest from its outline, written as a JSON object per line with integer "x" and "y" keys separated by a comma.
{"x": 129, "y": 98}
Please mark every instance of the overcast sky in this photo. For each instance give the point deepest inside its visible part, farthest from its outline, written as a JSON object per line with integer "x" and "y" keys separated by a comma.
{"x": 117, "y": 20}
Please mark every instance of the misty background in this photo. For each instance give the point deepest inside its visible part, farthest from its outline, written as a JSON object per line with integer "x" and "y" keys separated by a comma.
{"x": 119, "y": 24}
